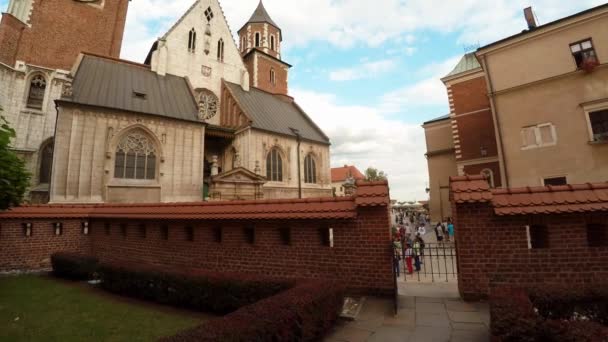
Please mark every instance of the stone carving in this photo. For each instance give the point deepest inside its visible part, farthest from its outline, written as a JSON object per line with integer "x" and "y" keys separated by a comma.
{"x": 214, "y": 166}
{"x": 137, "y": 143}
{"x": 207, "y": 105}
{"x": 206, "y": 71}
{"x": 67, "y": 90}
{"x": 237, "y": 160}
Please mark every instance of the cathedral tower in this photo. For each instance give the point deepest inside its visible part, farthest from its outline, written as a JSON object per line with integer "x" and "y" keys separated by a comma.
{"x": 260, "y": 45}
{"x": 51, "y": 33}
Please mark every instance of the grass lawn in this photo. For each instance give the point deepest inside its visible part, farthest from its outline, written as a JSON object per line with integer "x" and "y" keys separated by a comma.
{"x": 39, "y": 308}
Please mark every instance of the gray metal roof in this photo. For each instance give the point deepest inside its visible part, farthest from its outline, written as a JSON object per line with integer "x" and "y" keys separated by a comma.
{"x": 441, "y": 118}
{"x": 260, "y": 15}
{"x": 112, "y": 83}
{"x": 468, "y": 62}
{"x": 272, "y": 113}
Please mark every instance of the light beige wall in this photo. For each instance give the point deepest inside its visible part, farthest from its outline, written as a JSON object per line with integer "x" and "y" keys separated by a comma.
{"x": 85, "y": 144}
{"x": 438, "y": 136}
{"x": 254, "y": 145}
{"x": 557, "y": 102}
{"x": 441, "y": 167}
{"x": 546, "y": 55}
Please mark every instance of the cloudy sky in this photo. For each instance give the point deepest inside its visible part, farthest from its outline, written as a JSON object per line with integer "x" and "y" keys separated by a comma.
{"x": 367, "y": 71}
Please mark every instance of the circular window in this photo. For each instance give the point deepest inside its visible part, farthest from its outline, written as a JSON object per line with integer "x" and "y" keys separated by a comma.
{"x": 207, "y": 104}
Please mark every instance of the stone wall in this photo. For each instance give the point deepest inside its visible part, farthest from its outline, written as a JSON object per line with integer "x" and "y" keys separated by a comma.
{"x": 85, "y": 145}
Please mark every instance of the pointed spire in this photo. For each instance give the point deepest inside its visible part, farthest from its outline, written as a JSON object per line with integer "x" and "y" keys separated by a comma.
{"x": 261, "y": 16}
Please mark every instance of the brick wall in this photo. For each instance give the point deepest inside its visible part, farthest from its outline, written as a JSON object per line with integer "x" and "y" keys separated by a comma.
{"x": 61, "y": 29}
{"x": 360, "y": 256}
{"x": 10, "y": 34}
{"x": 470, "y": 95}
{"x": 477, "y": 131}
{"x": 493, "y": 250}
{"x": 19, "y": 252}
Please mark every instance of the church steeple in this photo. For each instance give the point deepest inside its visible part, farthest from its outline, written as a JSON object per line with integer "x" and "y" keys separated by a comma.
{"x": 260, "y": 44}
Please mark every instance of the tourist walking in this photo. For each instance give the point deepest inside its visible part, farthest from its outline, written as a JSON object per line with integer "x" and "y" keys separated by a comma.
{"x": 416, "y": 251}
{"x": 439, "y": 232}
{"x": 450, "y": 230}
{"x": 409, "y": 252}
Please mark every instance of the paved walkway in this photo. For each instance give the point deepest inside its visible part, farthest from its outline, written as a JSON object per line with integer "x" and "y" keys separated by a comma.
{"x": 419, "y": 319}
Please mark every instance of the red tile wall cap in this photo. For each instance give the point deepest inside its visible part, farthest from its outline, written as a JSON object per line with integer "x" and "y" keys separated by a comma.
{"x": 470, "y": 189}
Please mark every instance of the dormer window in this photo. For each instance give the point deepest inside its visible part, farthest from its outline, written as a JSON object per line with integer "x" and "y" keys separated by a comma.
{"x": 139, "y": 95}
{"x": 583, "y": 53}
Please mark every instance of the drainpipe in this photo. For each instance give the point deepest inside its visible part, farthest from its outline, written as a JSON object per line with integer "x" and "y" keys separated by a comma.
{"x": 299, "y": 139}
{"x": 497, "y": 126}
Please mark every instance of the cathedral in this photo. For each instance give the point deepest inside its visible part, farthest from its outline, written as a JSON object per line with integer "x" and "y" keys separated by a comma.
{"x": 204, "y": 117}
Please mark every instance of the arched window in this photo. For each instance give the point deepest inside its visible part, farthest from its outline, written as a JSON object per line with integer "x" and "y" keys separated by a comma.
{"x": 46, "y": 163}
{"x": 310, "y": 170}
{"x": 135, "y": 157}
{"x": 272, "y": 43}
{"x": 35, "y": 96}
{"x": 257, "y": 39}
{"x": 272, "y": 77}
{"x": 220, "y": 50}
{"x": 274, "y": 166}
{"x": 489, "y": 176}
{"x": 192, "y": 40}
{"x": 243, "y": 43}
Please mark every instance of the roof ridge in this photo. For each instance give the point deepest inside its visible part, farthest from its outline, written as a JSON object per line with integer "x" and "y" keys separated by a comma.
{"x": 118, "y": 60}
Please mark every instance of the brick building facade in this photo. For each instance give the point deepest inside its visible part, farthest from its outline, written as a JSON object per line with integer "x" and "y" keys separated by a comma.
{"x": 344, "y": 238}
{"x": 528, "y": 236}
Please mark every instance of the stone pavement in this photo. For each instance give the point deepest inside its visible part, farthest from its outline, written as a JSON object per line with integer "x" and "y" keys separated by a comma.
{"x": 424, "y": 314}
{"x": 420, "y": 319}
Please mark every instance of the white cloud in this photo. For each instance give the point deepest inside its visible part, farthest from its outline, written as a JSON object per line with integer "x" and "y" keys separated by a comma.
{"x": 347, "y": 23}
{"x": 363, "y": 71}
{"x": 364, "y": 136}
{"x": 430, "y": 91}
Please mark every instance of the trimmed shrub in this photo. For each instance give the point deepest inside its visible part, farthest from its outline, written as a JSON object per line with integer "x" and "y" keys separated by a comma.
{"x": 196, "y": 290}
{"x": 548, "y": 314}
{"x": 303, "y": 313}
{"x": 74, "y": 266}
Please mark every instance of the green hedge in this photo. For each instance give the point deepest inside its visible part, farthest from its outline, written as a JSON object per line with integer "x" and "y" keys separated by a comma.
{"x": 202, "y": 291}
{"x": 546, "y": 315}
{"x": 74, "y": 266}
{"x": 303, "y": 313}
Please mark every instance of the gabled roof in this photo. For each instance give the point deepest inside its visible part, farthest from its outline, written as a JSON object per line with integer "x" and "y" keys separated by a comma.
{"x": 339, "y": 174}
{"x": 468, "y": 62}
{"x": 275, "y": 113}
{"x": 113, "y": 83}
{"x": 260, "y": 15}
{"x": 239, "y": 173}
{"x": 531, "y": 200}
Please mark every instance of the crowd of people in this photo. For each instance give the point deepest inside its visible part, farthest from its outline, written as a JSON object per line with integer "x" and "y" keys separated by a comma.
{"x": 408, "y": 238}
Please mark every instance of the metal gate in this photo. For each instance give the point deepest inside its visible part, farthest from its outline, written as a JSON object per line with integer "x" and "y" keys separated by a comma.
{"x": 435, "y": 262}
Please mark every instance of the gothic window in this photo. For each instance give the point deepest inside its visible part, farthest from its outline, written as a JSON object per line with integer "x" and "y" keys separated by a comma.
{"x": 310, "y": 170}
{"x": 207, "y": 104}
{"x": 220, "y": 50}
{"x": 46, "y": 163}
{"x": 35, "y": 96}
{"x": 257, "y": 39}
{"x": 135, "y": 157}
{"x": 272, "y": 43}
{"x": 272, "y": 77}
{"x": 192, "y": 40}
{"x": 274, "y": 166}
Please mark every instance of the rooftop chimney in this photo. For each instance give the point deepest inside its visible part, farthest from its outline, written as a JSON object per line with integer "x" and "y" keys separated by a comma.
{"x": 529, "y": 14}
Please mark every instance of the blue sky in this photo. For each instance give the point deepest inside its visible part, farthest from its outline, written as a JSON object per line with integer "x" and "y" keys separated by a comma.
{"x": 367, "y": 72}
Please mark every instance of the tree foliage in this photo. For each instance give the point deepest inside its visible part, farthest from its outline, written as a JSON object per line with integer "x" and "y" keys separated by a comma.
{"x": 14, "y": 179}
{"x": 373, "y": 175}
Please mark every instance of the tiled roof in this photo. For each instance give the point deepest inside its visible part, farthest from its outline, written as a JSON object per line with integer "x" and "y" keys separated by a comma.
{"x": 260, "y": 15}
{"x": 551, "y": 199}
{"x": 368, "y": 194}
{"x": 275, "y": 114}
{"x": 531, "y": 200}
{"x": 112, "y": 83}
{"x": 339, "y": 174}
{"x": 470, "y": 189}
